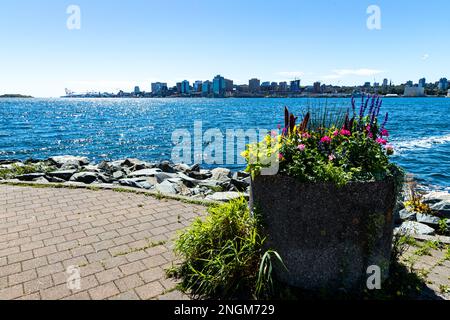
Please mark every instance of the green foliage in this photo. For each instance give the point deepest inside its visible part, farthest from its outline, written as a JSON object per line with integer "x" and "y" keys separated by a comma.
{"x": 16, "y": 170}
{"x": 223, "y": 255}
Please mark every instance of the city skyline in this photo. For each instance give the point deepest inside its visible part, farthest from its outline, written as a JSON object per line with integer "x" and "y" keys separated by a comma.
{"x": 121, "y": 45}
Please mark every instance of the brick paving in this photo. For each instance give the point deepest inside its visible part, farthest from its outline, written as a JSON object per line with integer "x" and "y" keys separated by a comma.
{"x": 121, "y": 243}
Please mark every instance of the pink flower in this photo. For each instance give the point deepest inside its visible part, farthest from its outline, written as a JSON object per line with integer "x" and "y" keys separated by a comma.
{"x": 306, "y": 135}
{"x": 345, "y": 132}
{"x": 336, "y": 133}
{"x": 331, "y": 157}
{"x": 381, "y": 141}
{"x": 390, "y": 149}
{"x": 368, "y": 128}
{"x": 274, "y": 133}
{"x": 326, "y": 139}
{"x": 384, "y": 133}
{"x": 279, "y": 126}
{"x": 301, "y": 147}
{"x": 280, "y": 156}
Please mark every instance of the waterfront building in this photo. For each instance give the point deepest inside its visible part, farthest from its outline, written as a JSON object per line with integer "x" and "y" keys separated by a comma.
{"x": 422, "y": 82}
{"x": 242, "y": 88}
{"x": 295, "y": 86}
{"x": 385, "y": 83}
{"x": 159, "y": 88}
{"x": 443, "y": 84}
{"x": 265, "y": 86}
{"x": 185, "y": 87}
{"x": 228, "y": 85}
{"x": 137, "y": 90}
{"x": 206, "y": 88}
{"x": 317, "y": 87}
{"x": 198, "y": 86}
{"x": 178, "y": 87}
{"x": 283, "y": 86}
{"x": 219, "y": 85}
{"x": 409, "y": 83}
{"x": 254, "y": 85}
{"x": 411, "y": 91}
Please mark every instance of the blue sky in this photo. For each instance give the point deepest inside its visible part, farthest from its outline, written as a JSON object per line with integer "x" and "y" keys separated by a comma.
{"x": 136, "y": 42}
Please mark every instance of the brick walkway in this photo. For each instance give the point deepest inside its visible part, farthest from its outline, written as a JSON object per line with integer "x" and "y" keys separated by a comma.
{"x": 120, "y": 242}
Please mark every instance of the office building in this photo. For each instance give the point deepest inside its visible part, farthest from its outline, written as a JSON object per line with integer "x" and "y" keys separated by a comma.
{"x": 443, "y": 84}
{"x": 219, "y": 85}
{"x": 422, "y": 83}
{"x": 159, "y": 88}
{"x": 185, "y": 87}
{"x": 295, "y": 86}
{"x": 254, "y": 85}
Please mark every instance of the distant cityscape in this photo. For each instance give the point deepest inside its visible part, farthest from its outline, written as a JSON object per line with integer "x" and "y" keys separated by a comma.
{"x": 220, "y": 87}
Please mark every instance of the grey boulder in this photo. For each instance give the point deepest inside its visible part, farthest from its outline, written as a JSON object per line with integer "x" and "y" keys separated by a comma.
{"x": 167, "y": 187}
{"x": 407, "y": 215}
{"x": 145, "y": 173}
{"x": 427, "y": 219}
{"x": 88, "y": 177}
{"x": 140, "y": 183}
{"x": 411, "y": 227}
{"x": 30, "y": 176}
{"x": 221, "y": 174}
{"x": 224, "y": 196}
{"x": 69, "y": 160}
{"x": 62, "y": 174}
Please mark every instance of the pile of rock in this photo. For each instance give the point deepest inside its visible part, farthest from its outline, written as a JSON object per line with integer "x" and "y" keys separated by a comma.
{"x": 219, "y": 184}
{"x": 422, "y": 223}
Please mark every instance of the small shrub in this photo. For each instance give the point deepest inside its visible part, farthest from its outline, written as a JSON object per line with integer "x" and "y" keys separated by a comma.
{"x": 223, "y": 255}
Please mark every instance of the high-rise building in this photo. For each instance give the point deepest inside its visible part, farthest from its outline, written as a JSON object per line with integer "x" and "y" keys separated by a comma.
{"x": 206, "y": 88}
{"x": 254, "y": 85}
{"x": 137, "y": 90}
{"x": 409, "y": 83}
{"x": 185, "y": 87}
{"x": 228, "y": 85}
{"x": 422, "y": 83}
{"x": 178, "y": 87}
{"x": 198, "y": 86}
{"x": 159, "y": 88}
{"x": 295, "y": 86}
{"x": 219, "y": 85}
{"x": 317, "y": 87}
{"x": 385, "y": 83}
{"x": 443, "y": 84}
{"x": 283, "y": 86}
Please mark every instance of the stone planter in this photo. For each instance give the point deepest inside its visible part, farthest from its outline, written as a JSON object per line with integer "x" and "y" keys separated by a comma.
{"x": 327, "y": 236}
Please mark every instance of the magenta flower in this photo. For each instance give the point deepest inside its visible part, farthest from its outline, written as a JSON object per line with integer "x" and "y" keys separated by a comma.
{"x": 301, "y": 147}
{"x": 279, "y": 126}
{"x": 381, "y": 141}
{"x": 336, "y": 133}
{"x": 384, "y": 133}
{"x": 306, "y": 135}
{"x": 325, "y": 139}
{"x": 345, "y": 132}
{"x": 280, "y": 156}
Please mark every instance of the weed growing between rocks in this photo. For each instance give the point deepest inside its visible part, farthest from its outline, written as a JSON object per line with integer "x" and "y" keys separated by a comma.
{"x": 224, "y": 257}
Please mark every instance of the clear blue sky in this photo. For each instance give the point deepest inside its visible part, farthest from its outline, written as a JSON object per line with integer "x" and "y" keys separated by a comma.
{"x": 126, "y": 43}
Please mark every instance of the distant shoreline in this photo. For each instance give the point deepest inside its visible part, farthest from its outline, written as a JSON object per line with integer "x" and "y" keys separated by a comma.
{"x": 20, "y": 96}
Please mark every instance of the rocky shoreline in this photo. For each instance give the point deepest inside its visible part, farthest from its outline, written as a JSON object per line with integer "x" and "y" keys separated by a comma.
{"x": 164, "y": 177}
{"x": 425, "y": 223}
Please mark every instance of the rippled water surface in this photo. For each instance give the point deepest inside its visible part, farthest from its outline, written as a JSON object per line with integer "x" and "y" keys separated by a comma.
{"x": 142, "y": 128}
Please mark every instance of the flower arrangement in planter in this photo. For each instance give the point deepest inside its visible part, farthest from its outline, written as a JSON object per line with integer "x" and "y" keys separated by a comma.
{"x": 350, "y": 149}
{"x": 328, "y": 211}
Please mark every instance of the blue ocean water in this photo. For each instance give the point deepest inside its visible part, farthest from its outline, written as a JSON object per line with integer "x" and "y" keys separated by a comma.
{"x": 142, "y": 128}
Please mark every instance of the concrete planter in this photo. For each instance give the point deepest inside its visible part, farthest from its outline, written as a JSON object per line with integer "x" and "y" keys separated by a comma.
{"x": 327, "y": 236}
